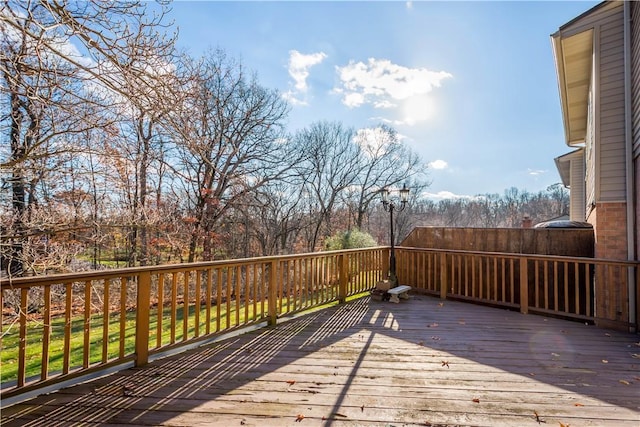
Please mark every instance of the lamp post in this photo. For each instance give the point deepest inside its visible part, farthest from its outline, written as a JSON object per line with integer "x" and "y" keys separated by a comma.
{"x": 390, "y": 206}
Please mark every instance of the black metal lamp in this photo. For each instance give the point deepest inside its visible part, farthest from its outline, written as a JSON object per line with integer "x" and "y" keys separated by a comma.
{"x": 391, "y": 206}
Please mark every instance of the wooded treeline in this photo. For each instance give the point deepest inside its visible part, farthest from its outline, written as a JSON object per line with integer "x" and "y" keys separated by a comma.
{"x": 117, "y": 149}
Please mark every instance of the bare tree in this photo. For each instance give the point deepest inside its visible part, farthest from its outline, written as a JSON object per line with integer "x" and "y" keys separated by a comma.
{"x": 384, "y": 162}
{"x": 53, "y": 90}
{"x": 331, "y": 165}
{"x": 229, "y": 138}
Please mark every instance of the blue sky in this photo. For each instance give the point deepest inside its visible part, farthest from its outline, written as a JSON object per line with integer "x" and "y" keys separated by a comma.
{"x": 470, "y": 86}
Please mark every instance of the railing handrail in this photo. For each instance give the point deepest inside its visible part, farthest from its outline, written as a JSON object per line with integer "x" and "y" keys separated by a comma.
{"x": 17, "y": 282}
{"x": 513, "y": 255}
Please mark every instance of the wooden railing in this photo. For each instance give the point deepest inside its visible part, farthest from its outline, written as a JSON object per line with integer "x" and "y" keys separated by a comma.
{"x": 573, "y": 287}
{"x": 57, "y": 328}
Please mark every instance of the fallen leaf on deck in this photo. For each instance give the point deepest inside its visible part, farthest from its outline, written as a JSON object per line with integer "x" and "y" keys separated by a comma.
{"x": 462, "y": 322}
{"x": 362, "y": 408}
{"x": 476, "y": 400}
{"x": 433, "y": 325}
{"x": 440, "y": 304}
{"x": 605, "y": 361}
{"x": 532, "y": 374}
{"x": 291, "y": 382}
{"x": 625, "y": 382}
{"x": 445, "y": 363}
{"x": 538, "y": 419}
{"x": 607, "y": 334}
{"x": 555, "y": 354}
{"x": 564, "y": 425}
{"x": 299, "y": 418}
{"x": 638, "y": 344}
{"x": 635, "y": 356}
{"x": 436, "y": 338}
{"x": 578, "y": 404}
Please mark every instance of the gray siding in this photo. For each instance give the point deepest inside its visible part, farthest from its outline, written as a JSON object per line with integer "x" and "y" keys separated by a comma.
{"x": 635, "y": 75}
{"x": 609, "y": 146}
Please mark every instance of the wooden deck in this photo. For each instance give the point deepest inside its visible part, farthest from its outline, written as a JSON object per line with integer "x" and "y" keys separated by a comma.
{"x": 367, "y": 363}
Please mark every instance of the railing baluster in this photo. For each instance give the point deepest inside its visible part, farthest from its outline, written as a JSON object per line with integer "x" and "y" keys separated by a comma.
{"x": 273, "y": 293}
{"x": 106, "y": 317}
{"x": 66, "y": 354}
{"x": 197, "y": 304}
{"x": 124, "y": 281}
{"x": 576, "y": 285}
{"x": 238, "y": 289}
{"x": 255, "y": 292}
{"x": 22, "y": 344}
{"x": 565, "y": 270}
{"x": 218, "y": 298}
{"x": 46, "y": 333}
{"x": 546, "y": 285}
{"x": 185, "y": 305}
{"x": 495, "y": 279}
{"x": 174, "y": 306}
{"x": 229, "y": 296}
{"x": 209, "y": 296}
{"x": 86, "y": 330}
{"x": 524, "y": 286}
{"x": 536, "y": 283}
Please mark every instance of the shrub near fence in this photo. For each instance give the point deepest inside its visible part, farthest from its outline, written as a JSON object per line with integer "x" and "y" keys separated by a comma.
{"x": 56, "y": 328}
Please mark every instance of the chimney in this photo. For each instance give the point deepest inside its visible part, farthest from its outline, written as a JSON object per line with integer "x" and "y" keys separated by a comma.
{"x": 526, "y": 221}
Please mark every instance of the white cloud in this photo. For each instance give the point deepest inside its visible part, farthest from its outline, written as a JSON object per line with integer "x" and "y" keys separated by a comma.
{"x": 444, "y": 195}
{"x": 383, "y": 84}
{"x": 298, "y": 68}
{"x": 438, "y": 164}
{"x": 373, "y": 140}
{"x": 409, "y": 5}
{"x": 536, "y": 172}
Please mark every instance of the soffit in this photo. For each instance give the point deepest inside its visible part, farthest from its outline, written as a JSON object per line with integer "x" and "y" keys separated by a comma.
{"x": 574, "y": 64}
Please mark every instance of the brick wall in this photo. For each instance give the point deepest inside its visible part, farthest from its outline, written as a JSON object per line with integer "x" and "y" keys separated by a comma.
{"x": 610, "y": 225}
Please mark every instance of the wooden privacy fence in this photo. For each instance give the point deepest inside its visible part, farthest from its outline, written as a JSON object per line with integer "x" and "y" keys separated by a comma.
{"x": 56, "y": 328}
{"x": 556, "y": 285}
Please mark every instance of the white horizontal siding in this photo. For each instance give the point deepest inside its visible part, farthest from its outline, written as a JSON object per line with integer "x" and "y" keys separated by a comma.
{"x": 577, "y": 202}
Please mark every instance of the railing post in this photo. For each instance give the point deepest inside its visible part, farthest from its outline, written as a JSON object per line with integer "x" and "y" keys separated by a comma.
{"x": 343, "y": 280}
{"x": 143, "y": 302}
{"x": 386, "y": 254}
{"x": 524, "y": 285}
{"x": 443, "y": 276}
{"x": 273, "y": 294}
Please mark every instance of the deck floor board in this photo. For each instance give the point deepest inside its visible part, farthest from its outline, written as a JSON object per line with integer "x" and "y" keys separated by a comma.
{"x": 370, "y": 363}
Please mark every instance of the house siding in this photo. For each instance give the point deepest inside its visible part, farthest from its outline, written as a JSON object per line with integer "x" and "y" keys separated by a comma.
{"x": 635, "y": 77}
{"x": 590, "y": 163}
{"x": 610, "y": 129}
{"x": 577, "y": 193}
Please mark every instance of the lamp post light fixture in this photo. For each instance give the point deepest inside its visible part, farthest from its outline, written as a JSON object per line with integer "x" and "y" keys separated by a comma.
{"x": 391, "y": 206}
